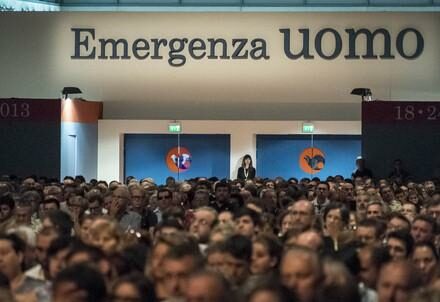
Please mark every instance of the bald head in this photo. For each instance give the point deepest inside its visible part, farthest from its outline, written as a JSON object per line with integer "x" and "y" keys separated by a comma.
{"x": 396, "y": 280}
{"x": 310, "y": 239}
{"x": 207, "y": 286}
{"x": 301, "y": 272}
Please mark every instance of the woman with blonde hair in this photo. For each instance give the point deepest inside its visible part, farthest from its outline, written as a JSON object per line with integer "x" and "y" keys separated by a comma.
{"x": 107, "y": 235}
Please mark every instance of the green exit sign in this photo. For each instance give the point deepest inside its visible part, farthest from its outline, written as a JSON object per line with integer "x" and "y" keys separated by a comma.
{"x": 308, "y": 128}
{"x": 174, "y": 128}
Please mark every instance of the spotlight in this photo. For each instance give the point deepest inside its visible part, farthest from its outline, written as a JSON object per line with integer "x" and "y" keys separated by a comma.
{"x": 70, "y": 90}
{"x": 365, "y": 93}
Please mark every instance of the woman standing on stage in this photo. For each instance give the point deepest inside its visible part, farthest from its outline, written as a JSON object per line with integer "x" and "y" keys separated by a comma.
{"x": 246, "y": 171}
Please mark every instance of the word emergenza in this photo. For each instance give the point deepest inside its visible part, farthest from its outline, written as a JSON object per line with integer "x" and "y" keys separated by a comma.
{"x": 409, "y": 44}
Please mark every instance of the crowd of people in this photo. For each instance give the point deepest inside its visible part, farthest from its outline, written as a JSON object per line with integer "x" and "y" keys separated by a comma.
{"x": 255, "y": 240}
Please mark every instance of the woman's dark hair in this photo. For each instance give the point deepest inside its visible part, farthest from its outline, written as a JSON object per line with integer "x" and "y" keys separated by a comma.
{"x": 95, "y": 197}
{"x": 345, "y": 213}
{"x": 405, "y": 237}
{"x": 239, "y": 247}
{"x": 61, "y": 220}
{"x": 272, "y": 244}
{"x": 85, "y": 279}
{"x": 144, "y": 287}
{"x": 59, "y": 244}
{"x": 247, "y": 156}
{"x": 245, "y": 211}
{"x": 7, "y": 199}
{"x": 18, "y": 244}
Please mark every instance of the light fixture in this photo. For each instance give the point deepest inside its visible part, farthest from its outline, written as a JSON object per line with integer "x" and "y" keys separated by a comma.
{"x": 70, "y": 90}
{"x": 365, "y": 93}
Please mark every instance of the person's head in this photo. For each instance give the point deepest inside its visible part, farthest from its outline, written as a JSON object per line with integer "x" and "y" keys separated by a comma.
{"x": 429, "y": 187}
{"x": 80, "y": 253}
{"x": 247, "y": 222}
{"x": 266, "y": 254}
{"x": 347, "y": 192}
{"x": 375, "y": 209}
{"x": 285, "y": 222}
{"x": 56, "y": 255}
{"x": 370, "y": 231}
{"x": 85, "y": 221}
{"x": 399, "y": 244}
{"x": 400, "y": 195}
{"x": 387, "y": 194}
{"x": 362, "y": 201}
{"x": 237, "y": 253}
{"x": 371, "y": 258}
{"x": 396, "y": 280}
{"x": 162, "y": 244}
{"x": 177, "y": 264}
{"x": 269, "y": 198}
{"x": 23, "y": 213}
{"x": 303, "y": 213}
{"x": 222, "y": 192}
{"x": 133, "y": 287}
{"x": 137, "y": 197}
{"x": 174, "y": 213}
{"x": 120, "y": 199}
{"x": 106, "y": 235}
{"x": 203, "y": 222}
{"x": 7, "y": 205}
{"x": 95, "y": 204}
{"x": 168, "y": 226}
{"x": 200, "y": 199}
{"x": 33, "y": 198}
{"x": 215, "y": 257}
{"x": 311, "y": 239}
{"x": 433, "y": 209}
{"x": 270, "y": 291}
{"x": 423, "y": 228}
{"x": 221, "y": 232}
{"x": 339, "y": 284}
{"x": 204, "y": 286}
{"x": 426, "y": 259}
{"x": 397, "y": 221}
{"x": 54, "y": 190}
{"x": 164, "y": 198}
{"x": 247, "y": 161}
{"x": 45, "y": 237}
{"x": 12, "y": 249}
{"x": 79, "y": 283}
{"x": 413, "y": 197}
{"x": 409, "y": 210}
{"x": 301, "y": 272}
{"x": 77, "y": 205}
{"x": 225, "y": 217}
{"x": 170, "y": 181}
{"x": 58, "y": 220}
{"x": 360, "y": 162}
{"x": 50, "y": 202}
{"x": 336, "y": 215}
{"x": 322, "y": 191}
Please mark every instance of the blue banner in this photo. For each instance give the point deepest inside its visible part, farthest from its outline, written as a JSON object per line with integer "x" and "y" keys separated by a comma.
{"x": 159, "y": 156}
{"x": 298, "y": 156}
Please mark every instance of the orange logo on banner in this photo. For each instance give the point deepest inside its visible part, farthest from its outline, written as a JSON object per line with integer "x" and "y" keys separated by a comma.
{"x": 312, "y": 160}
{"x": 176, "y": 161}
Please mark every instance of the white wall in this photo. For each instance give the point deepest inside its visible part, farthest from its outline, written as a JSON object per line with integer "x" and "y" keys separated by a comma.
{"x": 243, "y": 137}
